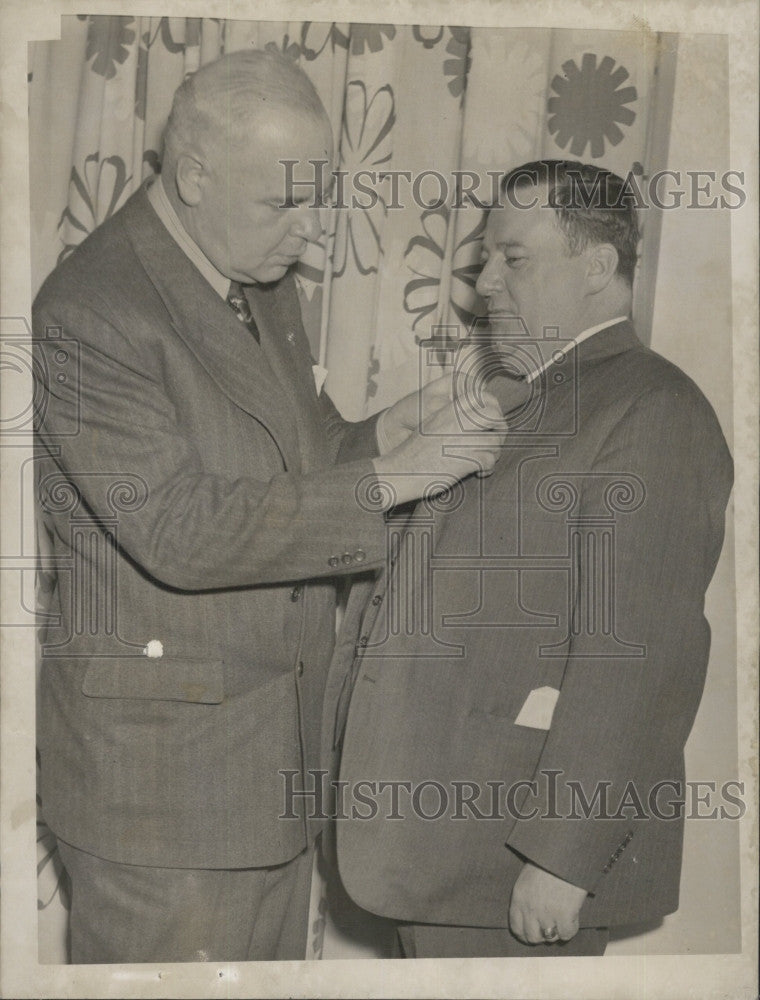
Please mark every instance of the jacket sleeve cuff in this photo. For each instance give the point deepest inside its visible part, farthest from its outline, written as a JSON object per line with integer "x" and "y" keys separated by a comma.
{"x": 578, "y": 860}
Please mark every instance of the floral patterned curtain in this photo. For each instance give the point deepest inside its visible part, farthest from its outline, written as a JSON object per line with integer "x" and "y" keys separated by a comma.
{"x": 402, "y": 100}
{"x": 414, "y": 104}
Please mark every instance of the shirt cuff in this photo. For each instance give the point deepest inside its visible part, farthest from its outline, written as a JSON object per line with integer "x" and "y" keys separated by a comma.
{"x": 384, "y": 444}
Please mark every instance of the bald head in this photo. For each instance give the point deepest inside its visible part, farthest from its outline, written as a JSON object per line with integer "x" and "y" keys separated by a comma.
{"x": 226, "y": 100}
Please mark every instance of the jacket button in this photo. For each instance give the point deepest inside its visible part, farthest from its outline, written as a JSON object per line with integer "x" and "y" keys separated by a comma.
{"x": 299, "y": 668}
{"x": 333, "y": 561}
{"x": 360, "y": 555}
{"x": 377, "y": 599}
{"x": 364, "y": 640}
{"x": 295, "y": 593}
{"x": 347, "y": 558}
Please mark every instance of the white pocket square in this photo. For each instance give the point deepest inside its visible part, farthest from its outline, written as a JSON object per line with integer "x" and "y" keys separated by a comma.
{"x": 538, "y": 709}
{"x": 320, "y": 374}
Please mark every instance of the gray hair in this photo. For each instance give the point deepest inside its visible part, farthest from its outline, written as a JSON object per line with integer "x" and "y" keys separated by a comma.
{"x": 224, "y": 98}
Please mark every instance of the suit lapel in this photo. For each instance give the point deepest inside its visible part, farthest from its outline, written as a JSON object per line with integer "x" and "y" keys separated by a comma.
{"x": 278, "y": 316}
{"x": 564, "y": 376}
{"x": 212, "y": 331}
{"x": 604, "y": 344}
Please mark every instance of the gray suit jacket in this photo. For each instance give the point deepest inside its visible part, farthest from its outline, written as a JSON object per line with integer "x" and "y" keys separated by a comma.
{"x": 190, "y": 481}
{"x": 561, "y": 654}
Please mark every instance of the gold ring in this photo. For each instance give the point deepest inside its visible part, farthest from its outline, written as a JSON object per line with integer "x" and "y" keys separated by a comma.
{"x": 550, "y": 933}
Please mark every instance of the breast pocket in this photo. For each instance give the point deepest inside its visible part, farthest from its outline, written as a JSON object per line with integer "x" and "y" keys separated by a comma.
{"x": 167, "y": 678}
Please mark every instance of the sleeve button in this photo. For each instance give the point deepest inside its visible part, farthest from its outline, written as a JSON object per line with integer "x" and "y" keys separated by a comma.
{"x": 347, "y": 558}
{"x": 333, "y": 561}
{"x": 360, "y": 555}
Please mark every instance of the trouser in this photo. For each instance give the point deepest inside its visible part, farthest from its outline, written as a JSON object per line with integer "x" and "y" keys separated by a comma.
{"x": 441, "y": 941}
{"x": 128, "y": 913}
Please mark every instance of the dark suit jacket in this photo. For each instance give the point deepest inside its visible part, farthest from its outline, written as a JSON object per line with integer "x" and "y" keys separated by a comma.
{"x": 576, "y": 572}
{"x": 188, "y": 477}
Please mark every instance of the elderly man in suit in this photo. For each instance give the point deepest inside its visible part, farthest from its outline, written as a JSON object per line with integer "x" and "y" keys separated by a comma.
{"x": 513, "y": 759}
{"x": 202, "y": 496}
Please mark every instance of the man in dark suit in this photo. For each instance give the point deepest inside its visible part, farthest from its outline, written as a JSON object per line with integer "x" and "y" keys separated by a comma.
{"x": 513, "y": 757}
{"x": 201, "y": 496}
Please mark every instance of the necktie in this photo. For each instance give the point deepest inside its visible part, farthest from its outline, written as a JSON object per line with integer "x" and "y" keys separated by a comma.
{"x": 239, "y": 304}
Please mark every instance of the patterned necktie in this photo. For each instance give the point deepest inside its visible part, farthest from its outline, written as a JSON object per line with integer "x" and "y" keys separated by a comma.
{"x": 239, "y": 303}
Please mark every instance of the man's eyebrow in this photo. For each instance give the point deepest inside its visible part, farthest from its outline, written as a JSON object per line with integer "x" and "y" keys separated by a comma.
{"x": 510, "y": 245}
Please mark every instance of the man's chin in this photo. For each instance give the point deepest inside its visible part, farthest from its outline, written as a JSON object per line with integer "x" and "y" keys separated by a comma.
{"x": 268, "y": 273}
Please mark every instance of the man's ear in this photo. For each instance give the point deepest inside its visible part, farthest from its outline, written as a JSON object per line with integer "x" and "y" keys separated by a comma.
{"x": 602, "y": 266}
{"x": 190, "y": 176}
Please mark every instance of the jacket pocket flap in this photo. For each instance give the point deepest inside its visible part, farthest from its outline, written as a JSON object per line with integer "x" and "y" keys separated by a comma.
{"x": 165, "y": 678}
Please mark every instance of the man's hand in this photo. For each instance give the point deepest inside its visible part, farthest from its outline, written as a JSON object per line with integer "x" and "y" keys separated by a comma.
{"x": 542, "y": 902}
{"x": 441, "y": 452}
{"x": 402, "y": 419}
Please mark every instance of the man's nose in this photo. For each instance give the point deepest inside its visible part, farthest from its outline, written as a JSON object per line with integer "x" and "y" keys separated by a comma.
{"x": 307, "y": 224}
{"x": 491, "y": 279}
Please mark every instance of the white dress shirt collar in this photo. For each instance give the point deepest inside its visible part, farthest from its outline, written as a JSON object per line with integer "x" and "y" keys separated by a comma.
{"x": 165, "y": 211}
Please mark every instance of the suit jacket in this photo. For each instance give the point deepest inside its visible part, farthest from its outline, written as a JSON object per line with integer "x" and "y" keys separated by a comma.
{"x": 201, "y": 499}
{"x": 540, "y": 697}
